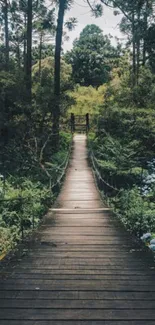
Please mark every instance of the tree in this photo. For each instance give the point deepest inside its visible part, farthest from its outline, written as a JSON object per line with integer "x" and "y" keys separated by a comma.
{"x": 58, "y": 41}
{"x": 5, "y": 19}
{"x": 44, "y": 92}
{"x": 44, "y": 25}
{"x": 135, "y": 23}
{"x": 92, "y": 57}
{"x": 63, "y": 6}
{"x": 6, "y": 33}
{"x": 29, "y": 50}
{"x": 47, "y": 50}
{"x": 150, "y": 46}
{"x": 87, "y": 100}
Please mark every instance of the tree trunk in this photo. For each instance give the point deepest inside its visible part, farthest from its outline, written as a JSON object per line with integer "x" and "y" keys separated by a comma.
{"x": 145, "y": 31}
{"x": 56, "y": 107}
{"x": 40, "y": 54}
{"x": 138, "y": 42}
{"x": 6, "y": 34}
{"x": 134, "y": 48}
{"x": 25, "y": 44}
{"x": 18, "y": 56}
{"x": 29, "y": 51}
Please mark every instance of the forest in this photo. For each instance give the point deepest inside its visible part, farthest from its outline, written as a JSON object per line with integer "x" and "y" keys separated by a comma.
{"x": 41, "y": 85}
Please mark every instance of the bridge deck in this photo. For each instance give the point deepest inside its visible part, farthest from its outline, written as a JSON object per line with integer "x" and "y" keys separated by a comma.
{"x": 85, "y": 269}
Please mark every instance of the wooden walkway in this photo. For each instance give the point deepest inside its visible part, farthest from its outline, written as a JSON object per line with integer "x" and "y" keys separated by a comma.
{"x": 85, "y": 270}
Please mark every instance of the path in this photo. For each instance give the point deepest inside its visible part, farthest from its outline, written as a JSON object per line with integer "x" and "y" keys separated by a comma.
{"x": 85, "y": 270}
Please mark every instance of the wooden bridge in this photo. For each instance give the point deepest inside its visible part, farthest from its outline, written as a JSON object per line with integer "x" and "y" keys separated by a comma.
{"x": 80, "y": 123}
{"x": 85, "y": 269}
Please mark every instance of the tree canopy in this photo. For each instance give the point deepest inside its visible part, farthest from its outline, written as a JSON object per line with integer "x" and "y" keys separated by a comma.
{"x": 92, "y": 57}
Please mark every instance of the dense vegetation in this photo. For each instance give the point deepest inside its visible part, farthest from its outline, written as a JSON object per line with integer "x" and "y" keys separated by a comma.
{"x": 40, "y": 87}
{"x": 28, "y": 190}
{"x": 32, "y": 157}
{"x": 123, "y": 147}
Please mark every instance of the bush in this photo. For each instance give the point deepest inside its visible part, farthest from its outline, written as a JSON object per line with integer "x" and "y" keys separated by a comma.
{"x": 136, "y": 213}
{"x": 25, "y": 199}
{"x": 22, "y": 209}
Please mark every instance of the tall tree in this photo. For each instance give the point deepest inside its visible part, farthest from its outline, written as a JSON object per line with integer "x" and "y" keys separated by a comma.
{"x": 92, "y": 57}
{"x": 6, "y": 33}
{"x": 58, "y": 42}
{"x": 137, "y": 14}
{"x": 29, "y": 50}
{"x": 4, "y": 4}
{"x": 44, "y": 28}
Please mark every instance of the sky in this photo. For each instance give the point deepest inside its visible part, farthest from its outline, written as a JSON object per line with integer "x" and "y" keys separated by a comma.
{"x": 108, "y": 22}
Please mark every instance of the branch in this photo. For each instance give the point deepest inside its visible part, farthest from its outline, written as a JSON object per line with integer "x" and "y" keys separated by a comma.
{"x": 91, "y": 7}
{"x": 106, "y": 4}
{"x": 43, "y": 147}
{"x": 95, "y": 8}
{"x": 116, "y": 5}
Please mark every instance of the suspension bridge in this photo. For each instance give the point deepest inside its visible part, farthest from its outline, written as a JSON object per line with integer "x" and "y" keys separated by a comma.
{"x": 83, "y": 268}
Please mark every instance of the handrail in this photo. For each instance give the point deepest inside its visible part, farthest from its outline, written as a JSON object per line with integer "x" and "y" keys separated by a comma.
{"x": 93, "y": 159}
{"x": 66, "y": 161}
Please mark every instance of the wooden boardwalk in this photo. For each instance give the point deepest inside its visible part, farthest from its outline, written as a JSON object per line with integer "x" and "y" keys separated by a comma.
{"x": 85, "y": 269}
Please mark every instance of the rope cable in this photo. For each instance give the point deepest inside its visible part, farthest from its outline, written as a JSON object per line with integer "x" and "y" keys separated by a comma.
{"x": 98, "y": 174}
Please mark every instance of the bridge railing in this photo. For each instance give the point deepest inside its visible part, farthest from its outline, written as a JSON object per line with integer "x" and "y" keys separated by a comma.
{"x": 113, "y": 194}
{"x": 82, "y": 123}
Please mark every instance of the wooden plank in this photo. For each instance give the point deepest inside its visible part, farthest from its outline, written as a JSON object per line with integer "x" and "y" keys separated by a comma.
{"x": 80, "y": 294}
{"x": 46, "y": 247}
{"x": 107, "y": 268}
{"x": 88, "y": 263}
{"x": 76, "y": 314}
{"x": 63, "y": 322}
{"x": 77, "y": 304}
{"x": 79, "y": 254}
{"x": 82, "y": 210}
{"x": 23, "y": 272}
{"x": 82, "y": 204}
{"x": 91, "y": 231}
{"x": 84, "y": 240}
{"x": 84, "y": 276}
{"x": 68, "y": 285}
{"x": 98, "y": 284}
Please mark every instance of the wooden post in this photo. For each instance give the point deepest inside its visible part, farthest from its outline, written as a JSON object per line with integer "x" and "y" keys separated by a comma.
{"x": 87, "y": 122}
{"x": 72, "y": 123}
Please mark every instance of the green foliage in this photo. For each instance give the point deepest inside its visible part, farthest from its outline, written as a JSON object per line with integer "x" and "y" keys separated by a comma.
{"x": 87, "y": 100}
{"x": 124, "y": 146}
{"x": 136, "y": 213}
{"x": 47, "y": 72}
{"x": 26, "y": 195}
{"x": 131, "y": 126}
{"x": 47, "y": 51}
{"x": 43, "y": 89}
{"x": 22, "y": 208}
{"x": 65, "y": 141}
{"x": 10, "y": 88}
{"x": 92, "y": 57}
{"x": 8, "y": 238}
{"x": 121, "y": 92}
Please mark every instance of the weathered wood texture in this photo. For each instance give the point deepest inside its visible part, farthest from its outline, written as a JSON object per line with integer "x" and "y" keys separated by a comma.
{"x": 85, "y": 269}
